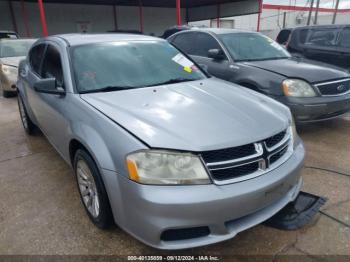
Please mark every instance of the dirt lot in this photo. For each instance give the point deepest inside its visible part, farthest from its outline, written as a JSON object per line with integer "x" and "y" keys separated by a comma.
{"x": 41, "y": 213}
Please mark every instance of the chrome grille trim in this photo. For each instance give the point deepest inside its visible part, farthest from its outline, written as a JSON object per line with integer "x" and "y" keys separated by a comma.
{"x": 283, "y": 141}
{"x": 259, "y": 152}
{"x": 258, "y": 157}
{"x": 330, "y": 83}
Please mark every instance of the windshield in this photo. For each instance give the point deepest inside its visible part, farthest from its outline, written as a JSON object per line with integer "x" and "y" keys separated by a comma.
{"x": 124, "y": 65}
{"x": 253, "y": 47}
{"x": 13, "y": 48}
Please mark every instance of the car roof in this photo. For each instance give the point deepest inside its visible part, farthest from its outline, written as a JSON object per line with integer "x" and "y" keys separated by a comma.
{"x": 5, "y": 31}
{"x": 219, "y": 31}
{"x": 80, "y": 39}
{"x": 16, "y": 39}
{"x": 321, "y": 26}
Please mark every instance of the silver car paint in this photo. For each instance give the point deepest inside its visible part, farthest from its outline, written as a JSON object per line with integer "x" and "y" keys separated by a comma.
{"x": 192, "y": 116}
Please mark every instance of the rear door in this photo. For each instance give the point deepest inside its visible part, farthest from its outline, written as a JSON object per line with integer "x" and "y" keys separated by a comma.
{"x": 322, "y": 44}
{"x": 344, "y": 48}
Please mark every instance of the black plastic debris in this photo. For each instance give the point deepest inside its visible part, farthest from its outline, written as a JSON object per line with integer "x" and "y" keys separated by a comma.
{"x": 297, "y": 213}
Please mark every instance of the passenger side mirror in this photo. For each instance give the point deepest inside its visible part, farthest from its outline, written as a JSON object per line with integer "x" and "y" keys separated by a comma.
{"x": 48, "y": 86}
{"x": 216, "y": 54}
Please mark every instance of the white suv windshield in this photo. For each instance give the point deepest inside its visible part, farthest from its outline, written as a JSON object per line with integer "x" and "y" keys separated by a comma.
{"x": 15, "y": 48}
{"x": 253, "y": 47}
{"x": 124, "y": 65}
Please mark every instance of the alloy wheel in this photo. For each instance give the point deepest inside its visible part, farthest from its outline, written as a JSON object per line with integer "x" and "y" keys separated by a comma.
{"x": 88, "y": 188}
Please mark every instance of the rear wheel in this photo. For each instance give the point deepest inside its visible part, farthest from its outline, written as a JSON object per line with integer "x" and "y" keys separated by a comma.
{"x": 28, "y": 125}
{"x": 92, "y": 191}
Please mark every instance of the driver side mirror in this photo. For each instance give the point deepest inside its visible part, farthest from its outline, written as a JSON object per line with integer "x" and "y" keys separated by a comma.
{"x": 48, "y": 86}
{"x": 216, "y": 54}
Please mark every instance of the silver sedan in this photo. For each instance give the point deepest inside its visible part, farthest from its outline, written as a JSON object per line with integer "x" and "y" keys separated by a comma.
{"x": 175, "y": 157}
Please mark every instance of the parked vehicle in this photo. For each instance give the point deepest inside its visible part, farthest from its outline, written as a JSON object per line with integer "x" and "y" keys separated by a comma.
{"x": 11, "y": 53}
{"x": 176, "y": 158}
{"x": 8, "y": 34}
{"x": 327, "y": 43}
{"x": 312, "y": 90}
{"x": 172, "y": 30}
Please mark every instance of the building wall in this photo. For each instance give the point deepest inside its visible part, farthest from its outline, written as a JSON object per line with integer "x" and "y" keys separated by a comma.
{"x": 272, "y": 20}
{"x": 64, "y": 18}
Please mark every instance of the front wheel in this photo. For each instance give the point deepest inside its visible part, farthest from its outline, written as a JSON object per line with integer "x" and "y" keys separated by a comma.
{"x": 92, "y": 191}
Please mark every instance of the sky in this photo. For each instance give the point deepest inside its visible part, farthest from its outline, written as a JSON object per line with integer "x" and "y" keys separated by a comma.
{"x": 344, "y": 4}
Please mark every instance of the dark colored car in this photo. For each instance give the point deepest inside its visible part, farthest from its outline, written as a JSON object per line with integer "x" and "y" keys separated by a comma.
{"x": 312, "y": 90}
{"x": 172, "y": 30}
{"x": 330, "y": 44}
{"x": 8, "y": 34}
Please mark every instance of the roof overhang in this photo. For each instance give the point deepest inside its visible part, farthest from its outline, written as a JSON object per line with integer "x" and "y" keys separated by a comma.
{"x": 195, "y": 9}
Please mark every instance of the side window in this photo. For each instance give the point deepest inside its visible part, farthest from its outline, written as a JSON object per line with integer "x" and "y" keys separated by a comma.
{"x": 345, "y": 38}
{"x": 184, "y": 42}
{"x": 52, "y": 65}
{"x": 35, "y": 57}
{"x": 303, "y": 35}
{"x": 323, "y": 37}
{"x": 204, "y": 42}
{"x": 283, "y": 36}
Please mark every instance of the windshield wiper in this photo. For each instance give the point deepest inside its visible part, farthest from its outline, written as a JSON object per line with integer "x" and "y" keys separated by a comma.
{"x": 173, "y": 81}
{"x": 107, "y": 89}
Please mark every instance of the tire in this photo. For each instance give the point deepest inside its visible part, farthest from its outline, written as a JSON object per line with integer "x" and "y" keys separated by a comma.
{"x": 92, "y": 192}
{"x": 27, "y": 123}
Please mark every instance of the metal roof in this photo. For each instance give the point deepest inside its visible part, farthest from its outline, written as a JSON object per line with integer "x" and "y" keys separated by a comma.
{"x": 150, "y": 3}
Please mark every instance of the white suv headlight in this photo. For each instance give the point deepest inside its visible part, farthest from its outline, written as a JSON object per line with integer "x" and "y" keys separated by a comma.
{"x": 297, "y": 88}
{"x": 158, "y": 167}
{"x": 9, "y": 70}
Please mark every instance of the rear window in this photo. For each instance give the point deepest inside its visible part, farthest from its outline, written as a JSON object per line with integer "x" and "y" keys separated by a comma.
{"x": 345, "y": 38}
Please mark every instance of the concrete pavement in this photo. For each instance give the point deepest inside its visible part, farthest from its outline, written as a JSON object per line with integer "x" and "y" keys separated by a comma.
{"x": 41, "y": 213}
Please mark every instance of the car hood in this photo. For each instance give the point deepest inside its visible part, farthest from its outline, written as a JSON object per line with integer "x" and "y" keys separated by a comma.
{"x": 193, "y": 116}
{"x": 312, "y": 72}
{"x": 12, "y": 61}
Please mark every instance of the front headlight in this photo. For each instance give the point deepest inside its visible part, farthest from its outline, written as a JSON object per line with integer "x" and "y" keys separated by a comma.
{"x": 297, "y": 88}
{"x": 9, "y": 70}
{"x": 166, "y": 168}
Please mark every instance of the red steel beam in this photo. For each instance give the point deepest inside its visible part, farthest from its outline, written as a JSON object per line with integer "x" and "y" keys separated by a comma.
{"x": 141, "y": 15}
{"x": 115, "y": 17}
{"x": 259, "y": 15}
{"x": 178, "y": 12}
{"x": 25, "y": 18}
{"x": 218, "y": 16}
{"x": 13, "y": 18}
{"x": 42, "y": 18}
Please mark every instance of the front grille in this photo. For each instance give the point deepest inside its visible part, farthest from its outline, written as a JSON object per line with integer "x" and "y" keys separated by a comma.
{"x": 247, "y": 161}
{"x": 234, "y": 172}
{"x": 274, "y": 140}
{"x": 274, "y": 158}
{"x": 228, "y": 153}
{"x": 334, "y": 88}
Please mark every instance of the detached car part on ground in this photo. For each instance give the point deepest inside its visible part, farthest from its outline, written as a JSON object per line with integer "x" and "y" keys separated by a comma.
{"x": 11, "y": 53}
{"x": 312, "y": 90}
{"x": 175, "y": 158}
